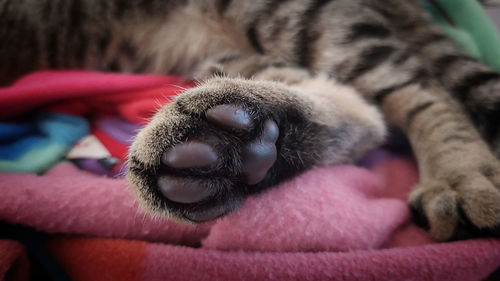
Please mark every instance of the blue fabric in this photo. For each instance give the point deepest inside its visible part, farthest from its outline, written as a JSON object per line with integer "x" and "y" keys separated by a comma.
{"x": 16, "y": 149}
{"x": 12, "y": 131}
{"x": 62, "y": 128}
{"x": 31, "y": 137}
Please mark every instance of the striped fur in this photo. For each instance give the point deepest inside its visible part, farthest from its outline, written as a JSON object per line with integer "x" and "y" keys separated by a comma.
{"x": 324, "y": 52}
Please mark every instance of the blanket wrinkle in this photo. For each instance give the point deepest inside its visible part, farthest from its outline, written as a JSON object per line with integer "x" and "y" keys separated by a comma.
{"x": 44, "y": 87}
{"x": 351, "y": 217}
{"x": 69, "y": 200}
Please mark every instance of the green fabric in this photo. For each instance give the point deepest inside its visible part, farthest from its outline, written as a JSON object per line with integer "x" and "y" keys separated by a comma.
{"x": 36, "y": 160}
{"x": 473, "y": 29}
{"x": 464, "y": 39}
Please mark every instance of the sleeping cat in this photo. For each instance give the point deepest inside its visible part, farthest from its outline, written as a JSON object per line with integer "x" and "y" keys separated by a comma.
{"x": 296, "y": 83}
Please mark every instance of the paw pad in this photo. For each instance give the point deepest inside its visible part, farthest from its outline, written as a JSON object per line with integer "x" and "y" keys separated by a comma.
{"x": 182, "y": 190}
{"x": 260, "y": 155}
{"x": 229, "y": 116}
{"x": 191, "y": 154}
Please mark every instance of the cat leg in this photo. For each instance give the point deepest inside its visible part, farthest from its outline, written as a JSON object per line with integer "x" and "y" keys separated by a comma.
{"x": 474, "y": 85}
{"x": 459, "y": 190}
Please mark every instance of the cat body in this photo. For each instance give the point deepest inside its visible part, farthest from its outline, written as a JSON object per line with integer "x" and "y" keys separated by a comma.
{"x": 297, "y": 83}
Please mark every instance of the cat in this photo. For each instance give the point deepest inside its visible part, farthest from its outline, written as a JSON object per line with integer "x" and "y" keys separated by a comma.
{"x": 285, "y": 86}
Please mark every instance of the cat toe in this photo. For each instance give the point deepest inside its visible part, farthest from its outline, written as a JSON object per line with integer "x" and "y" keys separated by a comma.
{"x": 229, "y": 116}
{"x": 180, "y": 190}
{"x": 259, "y": 155}
{"x": 192, "y": 154}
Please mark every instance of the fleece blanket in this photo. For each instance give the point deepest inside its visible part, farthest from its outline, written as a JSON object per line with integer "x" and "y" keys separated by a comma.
{"x": 331, "y": 223}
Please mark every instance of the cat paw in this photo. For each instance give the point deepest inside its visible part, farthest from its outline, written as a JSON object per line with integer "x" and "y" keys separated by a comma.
{"x": 208, "y": 159}
{"x": 462, "y": 205}
{"x": 202, "y": 154}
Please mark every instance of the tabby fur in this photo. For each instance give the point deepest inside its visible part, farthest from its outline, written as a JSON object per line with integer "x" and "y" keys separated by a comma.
{"x": 320, "y": 69}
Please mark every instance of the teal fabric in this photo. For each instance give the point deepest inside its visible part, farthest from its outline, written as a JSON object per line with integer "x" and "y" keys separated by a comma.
{"x": 473, "y": 29}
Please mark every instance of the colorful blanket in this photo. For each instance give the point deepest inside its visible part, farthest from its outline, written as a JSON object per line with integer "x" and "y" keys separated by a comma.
{"x": 331, "y": 223}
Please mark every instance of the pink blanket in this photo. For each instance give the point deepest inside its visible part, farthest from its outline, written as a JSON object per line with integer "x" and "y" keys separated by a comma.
{"x": 331, "y": 223}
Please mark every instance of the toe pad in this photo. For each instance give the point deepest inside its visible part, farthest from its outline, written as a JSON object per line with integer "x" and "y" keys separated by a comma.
{"x": 260, "y": 155}
{"x": 191, "y": 154}
{"x": 229, "y": 116}
{"x": 181, "y": 190}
